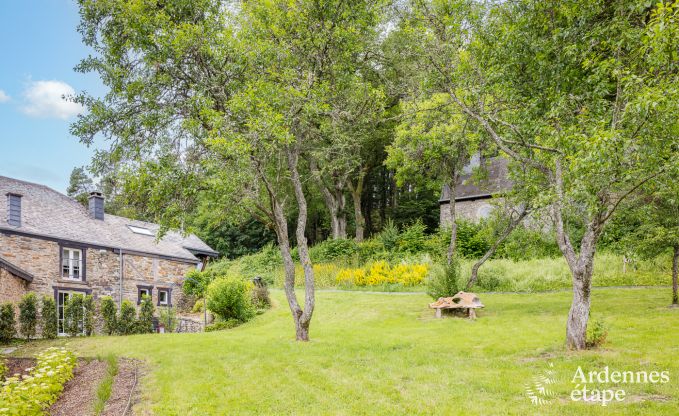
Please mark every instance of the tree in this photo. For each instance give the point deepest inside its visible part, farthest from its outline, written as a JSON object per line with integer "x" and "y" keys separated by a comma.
{"x": 602, "y": 93}
{"x": 146, "y": 312}
{"x": 79, "y": 185}
{"x": 656, "y": 211}
{"x": 28, "y": 315}
{"x": 218, "y": 104}
{"x": 48, "y": 318}
{"x": 433, "y": 144}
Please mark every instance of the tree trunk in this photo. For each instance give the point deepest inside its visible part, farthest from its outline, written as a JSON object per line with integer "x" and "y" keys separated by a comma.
{"x": 513, "y": 223}
{"x": 576, "y": 327}
{"x": 334, "y": 200}
{"x": 303, "y": 319}
{"x": 357, "y": 195}
{"x": 281, "y": 227}
{"x": 453, "y": 223}
{"x": 675, "y": 275}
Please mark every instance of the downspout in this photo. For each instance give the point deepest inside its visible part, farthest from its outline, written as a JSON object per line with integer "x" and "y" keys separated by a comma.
{"x": 121, "y": 264}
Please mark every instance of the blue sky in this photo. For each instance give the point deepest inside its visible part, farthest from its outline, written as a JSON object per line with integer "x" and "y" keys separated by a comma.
{"x": 40, "y": 45}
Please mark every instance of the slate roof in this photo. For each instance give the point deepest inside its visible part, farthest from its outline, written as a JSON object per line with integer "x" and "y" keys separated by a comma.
{"x": 48, "y": 213}
{"x": 15, "y": 270}
{"x": 467, "y": 189}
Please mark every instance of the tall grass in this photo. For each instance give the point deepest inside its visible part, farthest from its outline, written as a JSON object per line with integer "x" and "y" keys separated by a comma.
{"x": 106, "y": 385}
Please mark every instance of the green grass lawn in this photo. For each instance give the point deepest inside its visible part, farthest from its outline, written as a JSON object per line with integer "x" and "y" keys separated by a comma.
{"x": 385, "y": 354}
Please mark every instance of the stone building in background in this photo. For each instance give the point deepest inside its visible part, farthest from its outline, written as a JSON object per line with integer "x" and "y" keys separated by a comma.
{"x": 473, "y": 199}
{"x": 53, "y": 246}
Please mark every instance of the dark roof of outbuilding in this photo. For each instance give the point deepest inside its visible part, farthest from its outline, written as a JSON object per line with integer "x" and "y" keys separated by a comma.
{"x": 15, "y": 270}
{"x": 467, "y": 189}
{"x": 48, "y": 213}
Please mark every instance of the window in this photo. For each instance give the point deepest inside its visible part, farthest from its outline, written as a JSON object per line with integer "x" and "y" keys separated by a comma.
{"x": 14, "y": 210}
{"x": 140, "y": 230}
{"x": 143, "y": 291}
{"x": 164, "y": 297}
{"x": 72, "y": 264}
{"x": 62, "y": 299}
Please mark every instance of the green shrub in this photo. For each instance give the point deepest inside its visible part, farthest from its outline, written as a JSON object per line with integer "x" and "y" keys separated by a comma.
{"x": 33, "y": 394}
{"x": 199, "y": 306}
{"x": 28, "y": 315}
{"x": 229, "y": 298}
{"x": 471, "y": 242}
{"x": 332, "y": 249}
{"x": 7, "y": 323}
{"x": 412, "y": 239}
{"x": 3, "y": 369}
{"x": 168, "y": 317}
{"x": 127, "y": 324}
{"x": 145, "y": 323}
{"x": 48, "y": 318}
{"x": 109, "y": 314}
{"x": 74, "y": 315}
{"x": 88, "y": 306}
{"x": 218, "y": 326}
{"x": 444, "y": 280}
{"x": 196, "y": 282}
{"x": 597, "y": 332}
{"x": 389, "y": 236}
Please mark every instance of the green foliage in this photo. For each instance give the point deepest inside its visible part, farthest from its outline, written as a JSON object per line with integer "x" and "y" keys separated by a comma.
{"x": 106, "y": 385}
{"x": 230, "y": 298}
{"x": 168, "y": 317}
{"x": 88, "y": 318}
{"x": 3, "y": 369}
{"x": 145, "y": 322}
{"x": 28, "y": 315}
{"x": 221, "y": 325}
{"x": 389, "y": 236}
{"x": 196, "y": 282}
{"x": 127, "y": 324}
{"x": 32, "y": 395}
{"x": 412, "y": 239}
{"x": 332, "y": 249}
{"x": 74, "y": 315}
{"x": 109, "y": 313}
{"x": 7, "y": 323}
{"x": 597, "y": 332}
{"x": 444, "y": 281}
{"x": 199, "y": 306}
{"x": 48, "y": 318}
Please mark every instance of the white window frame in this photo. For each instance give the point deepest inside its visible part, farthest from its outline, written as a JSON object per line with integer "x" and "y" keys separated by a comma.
{"x": 67, "y": 261}
{"x": 160, "y": 297}
{"x": 61, "y": 309}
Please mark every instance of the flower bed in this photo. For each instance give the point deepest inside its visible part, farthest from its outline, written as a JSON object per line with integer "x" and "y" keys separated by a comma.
{"x": 381, "y": 272}
{"x": 33, "y": 394}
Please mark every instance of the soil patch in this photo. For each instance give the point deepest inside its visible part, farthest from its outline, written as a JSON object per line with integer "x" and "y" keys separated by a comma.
{"x": 80, "y": 391}
{"x": 124, "y": 391}
{"x": 18, "y": 366}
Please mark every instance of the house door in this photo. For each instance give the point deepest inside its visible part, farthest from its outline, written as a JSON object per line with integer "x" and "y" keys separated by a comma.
{"x": 62, "y": 298}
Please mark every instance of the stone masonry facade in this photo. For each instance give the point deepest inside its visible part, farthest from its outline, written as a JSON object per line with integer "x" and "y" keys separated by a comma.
{"x": 470, "y": 210}
{"x": 41, "y": 258}
{"x": 12, "y": 288}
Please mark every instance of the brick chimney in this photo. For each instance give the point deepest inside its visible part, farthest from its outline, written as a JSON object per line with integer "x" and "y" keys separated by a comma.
{"x": 97, "y": 205}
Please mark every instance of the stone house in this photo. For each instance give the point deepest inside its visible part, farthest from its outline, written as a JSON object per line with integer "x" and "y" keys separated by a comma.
{"x": 473, "y": 199}
{"x": 53, "y": 246}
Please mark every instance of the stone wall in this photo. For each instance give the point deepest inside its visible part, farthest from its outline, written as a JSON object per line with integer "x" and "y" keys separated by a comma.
{"x": 41, "y": 259}
{"x": 472, "y": 210}
{"x": 12, "y": 288}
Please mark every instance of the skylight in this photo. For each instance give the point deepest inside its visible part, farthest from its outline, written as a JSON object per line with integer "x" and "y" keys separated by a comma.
{"x": 140, "y": 230}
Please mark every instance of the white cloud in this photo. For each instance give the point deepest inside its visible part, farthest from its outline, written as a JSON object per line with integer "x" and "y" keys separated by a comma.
{"x": 3, "y": 97}
{"x": 46, "y": 99}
